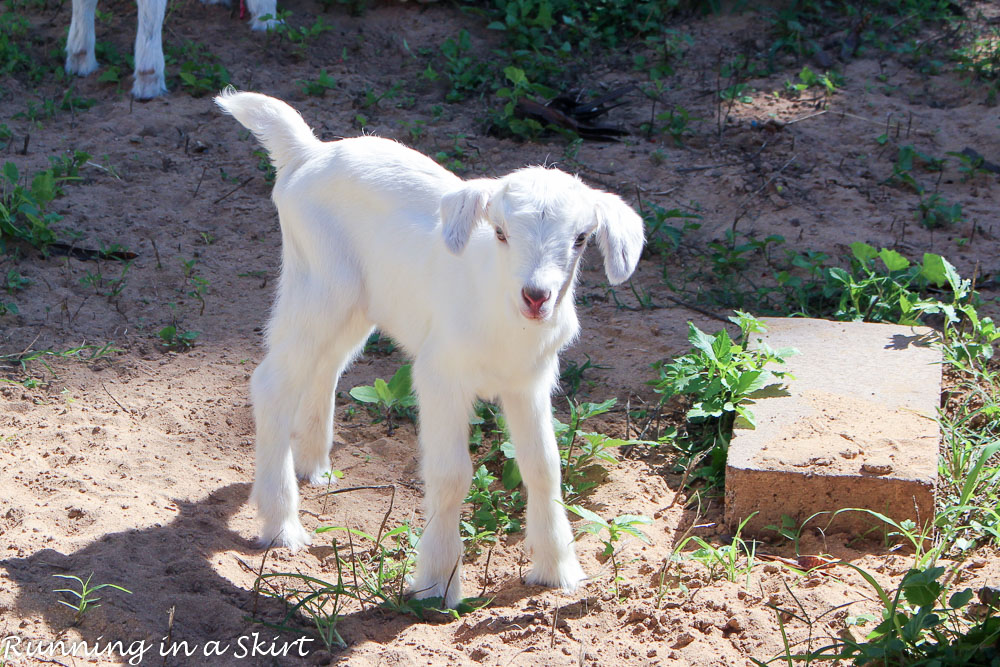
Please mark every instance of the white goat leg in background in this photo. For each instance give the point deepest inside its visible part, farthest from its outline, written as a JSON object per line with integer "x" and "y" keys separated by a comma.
{"x": 259, "y": 8}
{"x": 80, "y": 58}
{"x": 149, "y": 80}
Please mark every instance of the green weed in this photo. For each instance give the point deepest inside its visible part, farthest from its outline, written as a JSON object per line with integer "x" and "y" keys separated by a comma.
{"x": 84, "y": 597}
{"x": 174, "y": 337}
{"x": 386, "y": 400}
{"x": 721, "y": 377}
{"x": 616, "y": 528}
{"x": 319, "y": 86}
{"x": 23, "y": 207}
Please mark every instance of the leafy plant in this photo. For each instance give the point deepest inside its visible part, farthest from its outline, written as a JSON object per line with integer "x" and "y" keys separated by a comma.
{"x": 200, "y": 71}
{"x": 624, "y": 524}
{"x": 23, "y": 207}
{"x": 370, "y": 572}
{"x": 319, "y": 86}
{"x": 394, "y": 398}
{"x": 733, "y": 560}
{"x": 493, "y": 512}
{"x": 721, "y": 377}
{"x": 84, "y": 597}
{"x": 173, "y": 337}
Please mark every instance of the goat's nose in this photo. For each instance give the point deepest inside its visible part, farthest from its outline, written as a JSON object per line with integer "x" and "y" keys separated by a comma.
{"x": 535, "y": 297}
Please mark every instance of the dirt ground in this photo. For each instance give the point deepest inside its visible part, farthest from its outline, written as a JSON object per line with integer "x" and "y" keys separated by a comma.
{"x": 136, "y": 467}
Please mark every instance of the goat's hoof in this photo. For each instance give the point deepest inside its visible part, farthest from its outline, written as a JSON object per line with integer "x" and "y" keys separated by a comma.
{"x": 422, "y": 589}
{"x": 265, "y": 24}
{"x": 567, "y": 575}
{"x": 148, "y": 84}
{"x": 290, "y": 534}
{"x": 81, "y": 63}
{"x": 317, "y": 476}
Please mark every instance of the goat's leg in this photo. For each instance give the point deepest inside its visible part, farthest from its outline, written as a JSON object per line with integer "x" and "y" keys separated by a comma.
{"x": 312, "y": 432}
{"x": 447, "y": 472}
{"x": 548, "y": 536}
{"x": 80, "y": 57}
{"x": 274, "y": 389}
{"x": 149, "y": 81}
{"x": 261, "y": 8}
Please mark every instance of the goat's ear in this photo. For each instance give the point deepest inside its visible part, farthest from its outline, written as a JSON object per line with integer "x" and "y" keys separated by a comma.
{"x": 620, "y": 236}
{"x": 462, "y": 208}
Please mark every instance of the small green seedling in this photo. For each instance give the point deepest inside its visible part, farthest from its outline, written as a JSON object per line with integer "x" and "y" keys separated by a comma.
{"x": 388, "y": 399}
{"x": 175, "y": 338}
{"x": 318, "y": 88}
{"x": 625, "y": 524}
{"x": 85, "y": 596}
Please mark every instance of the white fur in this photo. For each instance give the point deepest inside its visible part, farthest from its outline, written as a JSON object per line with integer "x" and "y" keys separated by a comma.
{"x": 148, "y": 76}
{"x": 377, "y": 235}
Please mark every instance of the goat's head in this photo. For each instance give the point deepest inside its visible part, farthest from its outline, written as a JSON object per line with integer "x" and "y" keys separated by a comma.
{"x": 542, "y": 219}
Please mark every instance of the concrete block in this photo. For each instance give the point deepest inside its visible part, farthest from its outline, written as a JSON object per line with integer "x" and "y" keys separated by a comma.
{"x": 856, "y": 429}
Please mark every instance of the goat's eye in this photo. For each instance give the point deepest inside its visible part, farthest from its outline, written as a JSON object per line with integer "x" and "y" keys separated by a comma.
{"x": 501, "y": 236}
{"x": 580, "y": 240}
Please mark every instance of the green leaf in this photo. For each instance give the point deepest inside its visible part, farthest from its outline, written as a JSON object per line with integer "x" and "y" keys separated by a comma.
{"x": 863, "y": 251}
{"x": 365, "y": 394}
{"x": 11, "y": 173}
{"x": 511, "y": 476}
{"x": 401, "y": 384}
{"x": 584, "y": 513}
{"x": 382, "y": 391}
{"x": 921, "y": 588}
{"x": 939, "y": 271}
{"x": 508, "y": 449}
{"x": 960, "y": 599}
{"x": 702, "y": 341}
{"x": 893, "y": 260}
{"x": 515, "y": 75}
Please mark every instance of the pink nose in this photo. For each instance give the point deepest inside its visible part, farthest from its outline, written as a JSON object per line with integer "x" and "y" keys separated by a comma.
{"x": 535, "y": 298}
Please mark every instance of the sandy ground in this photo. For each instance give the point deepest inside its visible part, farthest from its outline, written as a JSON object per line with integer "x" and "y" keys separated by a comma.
{"x": 136, "y": 467}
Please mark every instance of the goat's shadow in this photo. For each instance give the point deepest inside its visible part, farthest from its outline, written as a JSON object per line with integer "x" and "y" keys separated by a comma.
{"x": 169, "y": 566}
{"x": 173, "y": 566}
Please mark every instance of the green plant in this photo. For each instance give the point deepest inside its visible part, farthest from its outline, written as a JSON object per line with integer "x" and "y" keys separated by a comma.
{"x": 663, "y": 238}
{"x": 318, "y": 88}
{"x": 173, "y": 337}
{"x": 583, "y": 455}
{"x": 923, "y": 622}
{"x": 103, "y": 286}
{"x": 506, "y": 118}
{"x": 371, "y": 571}
{"x": 721, "y": 377}
{"x": 828, "y": 81}
{"x": 394, "y": 398}
{"x": 624, "y": 524}
{"x": 493, "y": 512}
{"x": 23, "y": 207}
{"x": 200, "y": 71}
{"x": 934, "y": 211}
{"x": 84, "y": 597}
{"x": 198, "y": 284}
{"x": 264, "y": 165}
{"x": 301, "y": 36}
{"x": 465, "y": 73}
{"x": 733, "y": 561}
{"x": 571, "y": 375}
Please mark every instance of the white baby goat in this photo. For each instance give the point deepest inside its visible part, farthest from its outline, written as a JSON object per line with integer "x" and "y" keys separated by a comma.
{"x": 473, "y": 278}
{"x": 149, "y": 82}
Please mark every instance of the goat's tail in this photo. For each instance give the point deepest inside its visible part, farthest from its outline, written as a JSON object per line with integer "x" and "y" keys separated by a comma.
{"x": 276, "y": 125}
